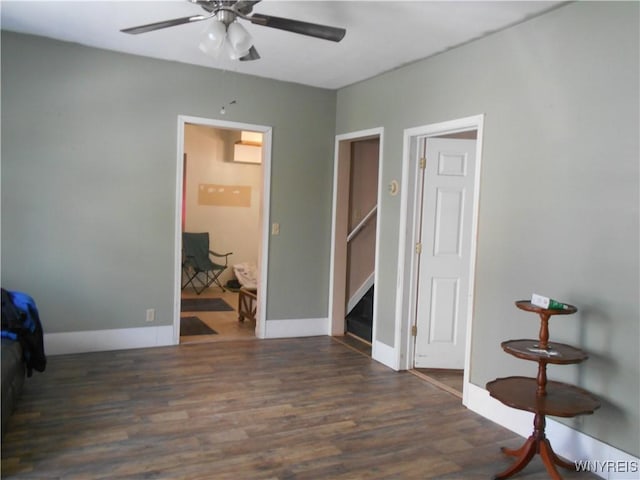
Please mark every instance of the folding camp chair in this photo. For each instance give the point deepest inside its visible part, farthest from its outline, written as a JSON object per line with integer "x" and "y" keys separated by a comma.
{"x": 197, "y": 265}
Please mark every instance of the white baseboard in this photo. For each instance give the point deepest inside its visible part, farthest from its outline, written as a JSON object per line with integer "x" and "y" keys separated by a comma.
{"x": 605, "y": 461}
{"x": 303, "y": 327}
{"x": 120, "y": 339}
{"x": 383, "y": 353}
{"x": 102, "y": 340}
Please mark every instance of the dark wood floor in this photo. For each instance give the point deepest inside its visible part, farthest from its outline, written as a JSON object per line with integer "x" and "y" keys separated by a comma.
{"x": 449, "y": 380}
{"x": 273, "y": 409}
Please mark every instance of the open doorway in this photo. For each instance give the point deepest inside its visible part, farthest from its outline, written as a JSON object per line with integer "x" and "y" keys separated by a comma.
{"x": 355, "y": 238}
{"x": 441, "y": 188}
{"x": 221, "y": 204}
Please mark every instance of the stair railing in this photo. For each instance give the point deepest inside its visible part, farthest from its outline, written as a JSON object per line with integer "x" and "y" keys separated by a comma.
{"x": 362, "y": 223}
{"x": 357, "y": 296}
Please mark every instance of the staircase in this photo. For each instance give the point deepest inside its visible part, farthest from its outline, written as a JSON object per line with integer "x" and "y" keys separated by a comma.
{"x": 360, "y": 319}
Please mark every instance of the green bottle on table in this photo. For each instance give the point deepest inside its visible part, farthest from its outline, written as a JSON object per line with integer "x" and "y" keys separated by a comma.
{"x": 548, "y": 303}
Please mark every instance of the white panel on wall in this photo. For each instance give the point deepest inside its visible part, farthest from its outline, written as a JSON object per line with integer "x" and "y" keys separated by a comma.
{"x": 244, "y": 153}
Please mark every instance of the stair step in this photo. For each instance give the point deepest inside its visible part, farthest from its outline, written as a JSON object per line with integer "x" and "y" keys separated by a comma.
{"x": 360, "y": 320}
{"x": 360, "y": 327}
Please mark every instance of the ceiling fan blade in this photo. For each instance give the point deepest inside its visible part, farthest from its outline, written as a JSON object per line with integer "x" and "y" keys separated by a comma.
{"x": 252, "y": 55}
{"x": 324, "y": 32}
{"x": 164, "y": 24}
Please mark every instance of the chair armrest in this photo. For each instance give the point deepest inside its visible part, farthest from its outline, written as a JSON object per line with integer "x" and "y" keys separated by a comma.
{"x": 220, "y": 254}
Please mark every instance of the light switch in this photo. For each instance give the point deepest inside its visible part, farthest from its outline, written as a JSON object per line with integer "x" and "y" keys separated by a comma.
{"x": 275, "y": 229}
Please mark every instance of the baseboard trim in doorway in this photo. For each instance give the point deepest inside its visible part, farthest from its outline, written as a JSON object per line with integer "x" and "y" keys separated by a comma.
{"x": 386, "y": 355}
{"x": 301, "y": 327}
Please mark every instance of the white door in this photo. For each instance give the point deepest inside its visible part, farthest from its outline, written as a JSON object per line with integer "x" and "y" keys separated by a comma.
{"x": 444, "y": 246}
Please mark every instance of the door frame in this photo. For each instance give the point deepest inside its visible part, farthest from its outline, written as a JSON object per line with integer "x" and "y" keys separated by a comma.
{"x": 263, "y": 249}
{"x": 337, "y": 263}
{"x": 409, "y": 225}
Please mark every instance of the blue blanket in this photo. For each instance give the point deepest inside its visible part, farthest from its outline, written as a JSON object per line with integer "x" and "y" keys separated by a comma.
{"x": 21, "y": 322}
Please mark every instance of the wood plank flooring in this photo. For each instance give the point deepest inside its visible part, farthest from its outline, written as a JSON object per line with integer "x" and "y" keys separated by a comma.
{"x": 449, "y": 380}
{"x": 308, "y": 408}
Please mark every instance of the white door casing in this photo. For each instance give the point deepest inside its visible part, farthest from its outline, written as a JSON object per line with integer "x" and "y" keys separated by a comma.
{"x": 444, "y": 249}
{"x": 263, "y": 260}
{"x": 339, "y": 228}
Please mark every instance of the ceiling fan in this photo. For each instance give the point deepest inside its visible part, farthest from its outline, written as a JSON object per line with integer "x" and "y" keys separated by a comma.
{"x": 225, "y": 32}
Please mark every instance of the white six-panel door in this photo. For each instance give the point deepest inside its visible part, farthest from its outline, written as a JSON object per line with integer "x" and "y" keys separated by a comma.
{"x": 444, "y": 250}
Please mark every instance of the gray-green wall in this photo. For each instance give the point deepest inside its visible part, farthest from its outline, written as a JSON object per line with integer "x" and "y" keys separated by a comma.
{"x": 89, "y": 154}
{"x": 559, "y": 195}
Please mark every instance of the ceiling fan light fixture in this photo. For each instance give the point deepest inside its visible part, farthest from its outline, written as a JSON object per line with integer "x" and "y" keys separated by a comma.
{"x": 239, "y": 40}
{"x": 213, "y": 38}
{"x": 225, "y": 33}
{"x": 232, "y": 53}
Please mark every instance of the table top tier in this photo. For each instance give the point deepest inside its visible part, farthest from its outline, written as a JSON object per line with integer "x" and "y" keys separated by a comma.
{"x": 561, "y": 399}
{"x": 555, "y": 353}
{"x": 544, "y": 314}
{"x": 530, "y": 307}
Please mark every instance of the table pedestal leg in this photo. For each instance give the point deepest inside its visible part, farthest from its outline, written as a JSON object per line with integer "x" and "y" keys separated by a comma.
{"x": 536, "y": 443}
{"x": 524, "y": 455}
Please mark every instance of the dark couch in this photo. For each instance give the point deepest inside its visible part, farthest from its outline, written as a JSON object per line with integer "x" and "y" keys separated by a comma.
{"x": 22, "y": 347}
{"x": 13, "y": 375}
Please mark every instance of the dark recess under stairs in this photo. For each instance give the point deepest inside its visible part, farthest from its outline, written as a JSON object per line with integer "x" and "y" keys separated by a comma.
{"x": 360, "y": 319}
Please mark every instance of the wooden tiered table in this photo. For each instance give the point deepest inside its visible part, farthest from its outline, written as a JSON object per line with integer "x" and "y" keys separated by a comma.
{"x": 539, "y": 396}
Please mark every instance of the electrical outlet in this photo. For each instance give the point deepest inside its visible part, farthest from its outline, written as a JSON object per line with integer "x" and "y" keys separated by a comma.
{"x": 151, "y": 314}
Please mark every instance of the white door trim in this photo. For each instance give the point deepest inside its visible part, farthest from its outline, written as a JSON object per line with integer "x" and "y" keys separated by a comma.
{"x": 407, "y": 266}
{"x": 263, "y": 255}
{"x": 353, "y": 136}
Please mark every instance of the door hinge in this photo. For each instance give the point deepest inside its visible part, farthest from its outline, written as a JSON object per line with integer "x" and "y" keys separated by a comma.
{"x": 414, "y": 330}
{"x": 423, "y": 163}
{"x": 418, "y": 248}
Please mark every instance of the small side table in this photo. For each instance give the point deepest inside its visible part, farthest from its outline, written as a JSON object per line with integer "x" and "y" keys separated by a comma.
{"x": 247, "y": 303}
{"x": 539, "y": 396}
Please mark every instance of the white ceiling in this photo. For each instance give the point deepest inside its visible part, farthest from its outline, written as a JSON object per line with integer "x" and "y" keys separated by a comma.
{"x": 380, "y": 35}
